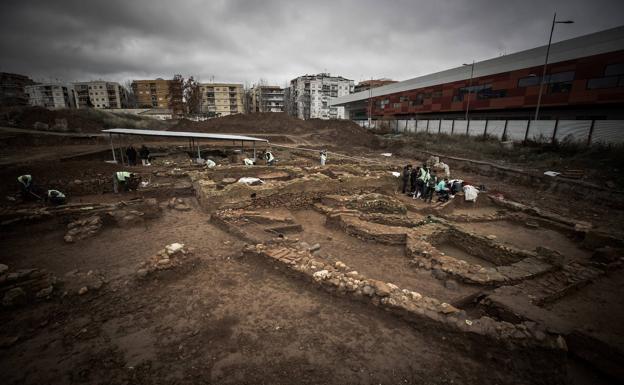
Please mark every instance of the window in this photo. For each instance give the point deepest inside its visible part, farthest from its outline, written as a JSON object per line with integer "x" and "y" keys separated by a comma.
{"x": 417, "y": 101}
{"x": 607, "y": 82}
{"x": 559, "y": 77}
{"x": 489, "y": 93}
{"x": 614, "y": 77}
{"x": 614, "y": 69}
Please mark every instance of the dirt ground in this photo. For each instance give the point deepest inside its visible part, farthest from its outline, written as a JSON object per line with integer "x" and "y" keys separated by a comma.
{"x": 222, "y": 320}
{"x": 225, "y": 318}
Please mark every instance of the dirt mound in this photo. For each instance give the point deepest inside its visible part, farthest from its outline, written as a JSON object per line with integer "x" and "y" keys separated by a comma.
{"x": 55, "y": 120}
{"x": 274, "y": 123}
{"x": 73, "y": 120}
{"x": 336, "y": 132}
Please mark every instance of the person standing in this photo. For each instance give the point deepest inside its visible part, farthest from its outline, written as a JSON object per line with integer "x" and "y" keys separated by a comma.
{"x": 323, "y": 157}
{"x": 144, "y": 154}
{"x": 131, "y": 153}
{"x": 430, "y": 188}
{"x": 423, "y": 178}
{"x": 406, "y": 174}
{"x": 413, "y": 178}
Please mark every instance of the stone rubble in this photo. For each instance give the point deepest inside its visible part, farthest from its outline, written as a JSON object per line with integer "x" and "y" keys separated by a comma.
{"x": 178, "y": 204}
{"x": 19, "y": 287}
{"x": 411, "y": 305}
{"x": 171, "y": 256}
{"x": 83, "y": 228}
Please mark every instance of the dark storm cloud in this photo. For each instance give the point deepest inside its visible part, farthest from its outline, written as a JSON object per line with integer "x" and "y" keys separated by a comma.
{"x": 243, "y": 41}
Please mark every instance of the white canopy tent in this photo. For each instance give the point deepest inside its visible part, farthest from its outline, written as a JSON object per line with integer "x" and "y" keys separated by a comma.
{"x": 191, "y": 136}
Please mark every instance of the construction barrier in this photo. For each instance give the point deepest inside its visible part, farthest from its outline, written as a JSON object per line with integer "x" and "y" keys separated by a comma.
{"x": 606, "y": 132}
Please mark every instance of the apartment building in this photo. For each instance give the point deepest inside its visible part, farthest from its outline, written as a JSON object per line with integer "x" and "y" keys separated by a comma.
{"x": 12, "y": 89}
{"x": 101, "y": 94}
{"x": 151, "y": 93}
{"x": 310, "y": 96}
{"x": 222, "y": 99}
{"x": 267, "y": 99}
{"x": 51, "y": 95}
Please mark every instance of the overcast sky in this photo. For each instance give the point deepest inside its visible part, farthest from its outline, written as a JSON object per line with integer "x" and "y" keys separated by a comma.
{"x": 244, "y": 41}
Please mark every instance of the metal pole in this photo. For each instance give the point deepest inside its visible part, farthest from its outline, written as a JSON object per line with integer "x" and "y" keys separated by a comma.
{"x": 539, "y": 95}
{"x": 112, "y": 147}
{"x": 469, "y": 90}
{"x": 370, "y": 101}
{"x": 198, "y": 152}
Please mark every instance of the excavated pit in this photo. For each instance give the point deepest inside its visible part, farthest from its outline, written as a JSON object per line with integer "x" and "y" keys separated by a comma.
{"x": 460, "y": 269}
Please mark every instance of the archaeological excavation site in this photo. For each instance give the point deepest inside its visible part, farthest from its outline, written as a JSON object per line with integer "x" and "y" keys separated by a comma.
{"x": 294, "y": 272}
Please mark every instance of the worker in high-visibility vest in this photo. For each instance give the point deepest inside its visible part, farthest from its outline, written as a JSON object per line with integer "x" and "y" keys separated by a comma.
{"x": 125, "y": 181}
{"x": 27, "y": 187}
{"x": 270, "y": 159}
{"x": 56, "y": 197}
{"x": 323, "y": 157}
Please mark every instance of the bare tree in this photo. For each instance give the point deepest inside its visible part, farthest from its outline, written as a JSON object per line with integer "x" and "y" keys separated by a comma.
{"x": 176, "y": 95}
{"x": 192, "y": 96}
{"x": 131, "y": 100}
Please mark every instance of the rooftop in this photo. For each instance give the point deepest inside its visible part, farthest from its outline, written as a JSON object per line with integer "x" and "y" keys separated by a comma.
{"x": 597, "y": 43}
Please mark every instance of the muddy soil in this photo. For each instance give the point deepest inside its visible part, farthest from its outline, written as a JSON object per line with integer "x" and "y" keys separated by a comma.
{"x": 220, "y": 319}
{"x": 384, "y": 262}
{"x": 526, "y": 238}
{"x": 598, "y": 308}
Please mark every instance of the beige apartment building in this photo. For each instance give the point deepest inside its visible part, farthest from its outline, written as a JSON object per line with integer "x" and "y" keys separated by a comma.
{"x": 222, "y": 99}
{"x": 267, "y": 99}
{"x": 101, "y": 94}
{"x": 151, "y": 93}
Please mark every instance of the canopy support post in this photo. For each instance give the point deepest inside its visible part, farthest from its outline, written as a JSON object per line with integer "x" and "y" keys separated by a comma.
{"x": 198, "y": 152}
{"x": 254, "y": 148}
{"x": 112, "y": 147}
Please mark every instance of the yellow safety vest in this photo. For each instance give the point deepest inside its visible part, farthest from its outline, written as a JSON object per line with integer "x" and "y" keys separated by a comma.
{"x": 122, "y": 176}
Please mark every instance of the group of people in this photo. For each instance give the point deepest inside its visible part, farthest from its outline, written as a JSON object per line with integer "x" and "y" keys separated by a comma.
{"x": 143, "y": 153}
{"x": 421, "y": 183}
{"x": 30, "y": 192}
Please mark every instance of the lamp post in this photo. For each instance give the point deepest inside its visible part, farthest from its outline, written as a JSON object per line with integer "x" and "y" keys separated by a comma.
{"x": 469, "y": 86}
{"x": 370, "y": 103}
{"x": 552, "y": 29}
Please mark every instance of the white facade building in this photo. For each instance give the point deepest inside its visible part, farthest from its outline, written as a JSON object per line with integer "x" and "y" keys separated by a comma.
{"x": 310, "y": 96}
{"x": 51, "y": 95}
{"x": 101, "y": 94}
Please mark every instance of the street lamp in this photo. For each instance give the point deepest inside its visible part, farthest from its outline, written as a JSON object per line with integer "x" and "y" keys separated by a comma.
{"x": 552, "y": 28}
{"x": 469, "y": 86}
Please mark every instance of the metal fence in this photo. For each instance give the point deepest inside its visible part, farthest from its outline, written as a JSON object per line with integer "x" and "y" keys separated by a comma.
{"x": 545, "y": 131}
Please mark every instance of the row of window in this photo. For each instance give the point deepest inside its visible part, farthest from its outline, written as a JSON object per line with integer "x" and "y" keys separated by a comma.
{"x": 613, "y": 77}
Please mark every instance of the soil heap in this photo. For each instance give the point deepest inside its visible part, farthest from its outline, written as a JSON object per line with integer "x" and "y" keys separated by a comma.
{"x": 337, "y": 132}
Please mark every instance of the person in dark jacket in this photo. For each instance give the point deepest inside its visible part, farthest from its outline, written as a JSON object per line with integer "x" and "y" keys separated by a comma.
{"x": 131, "y": 153}
{"x": 413, "y": 177}
{"x": 144, "y": 154}
{"x": 406, "y": 174}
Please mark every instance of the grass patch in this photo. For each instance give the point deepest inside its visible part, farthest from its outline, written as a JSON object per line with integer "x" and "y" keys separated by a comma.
{"x": 600, "y": 161}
